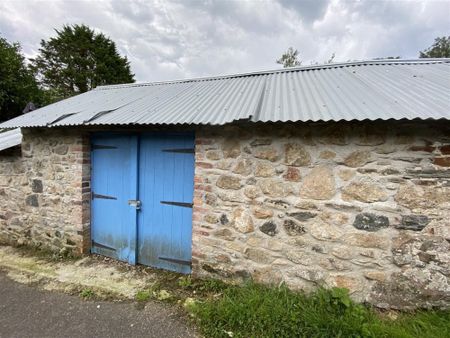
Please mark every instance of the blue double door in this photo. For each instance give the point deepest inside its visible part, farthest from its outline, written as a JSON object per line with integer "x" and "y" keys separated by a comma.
{"x": 142, "y": 192}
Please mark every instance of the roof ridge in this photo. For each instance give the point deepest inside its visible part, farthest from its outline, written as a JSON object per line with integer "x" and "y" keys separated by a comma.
{"x": 282, "y": 70}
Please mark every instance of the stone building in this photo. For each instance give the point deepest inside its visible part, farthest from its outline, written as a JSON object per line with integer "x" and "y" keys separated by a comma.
{"x": 335, "y": 175}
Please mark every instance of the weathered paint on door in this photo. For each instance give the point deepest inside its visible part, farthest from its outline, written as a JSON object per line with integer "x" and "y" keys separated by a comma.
{"x": 166, "y": 185}
{"x": 113, "y": 184}
{"x": 157, "y": 170}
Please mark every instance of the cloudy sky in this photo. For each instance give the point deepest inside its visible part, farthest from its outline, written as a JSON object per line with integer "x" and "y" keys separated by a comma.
{"x": 167, "y": 40}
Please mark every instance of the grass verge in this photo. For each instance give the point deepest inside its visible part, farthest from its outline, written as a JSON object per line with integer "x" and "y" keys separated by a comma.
{"x": 258, "y": 311}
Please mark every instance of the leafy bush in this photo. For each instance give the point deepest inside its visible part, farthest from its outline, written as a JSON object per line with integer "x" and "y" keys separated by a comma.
{"x": 258, "y": 311}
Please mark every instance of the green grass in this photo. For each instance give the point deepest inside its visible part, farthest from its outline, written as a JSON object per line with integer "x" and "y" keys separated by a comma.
{"x": 257, "y": 311}
{"x": 211, "y": 285}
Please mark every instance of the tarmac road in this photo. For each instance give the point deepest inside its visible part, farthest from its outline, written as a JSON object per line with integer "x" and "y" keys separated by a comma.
{"x": 26, "y": 311}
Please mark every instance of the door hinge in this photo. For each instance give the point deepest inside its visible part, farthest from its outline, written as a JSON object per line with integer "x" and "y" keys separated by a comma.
{"x": 102, "y": 246}
{"x": 106, "y": 197}
{"x": 99, "y": 146}
{"x": 182, "y": 150}
{"x": 178, "y": 204}
{"x": 175, "y": 260}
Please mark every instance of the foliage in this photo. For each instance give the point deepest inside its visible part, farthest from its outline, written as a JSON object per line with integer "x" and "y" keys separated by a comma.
{"x": 17, "y": 83}
{"x": 77, "y": 60}
{"x": 289, "y": 58}
{"x": 439, "y": 49}
{"x": 162, "y": 295}
{"x": 87, "y": 293}
{"x": 185, "y": 281}
{"x": 258, "y": 311}
{"x": 143, "y": 295}
{"x": 211, "y": 285}
{"x": 203, "y": 286}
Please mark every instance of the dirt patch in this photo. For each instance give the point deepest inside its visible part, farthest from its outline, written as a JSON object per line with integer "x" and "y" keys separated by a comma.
{"x": 98, "y": 277}
{"x": 103, "y": 276}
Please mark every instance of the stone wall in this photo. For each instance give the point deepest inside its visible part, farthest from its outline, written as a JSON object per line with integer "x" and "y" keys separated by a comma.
{"x": 354, "y": 205}
{"x": 45, "y": 190}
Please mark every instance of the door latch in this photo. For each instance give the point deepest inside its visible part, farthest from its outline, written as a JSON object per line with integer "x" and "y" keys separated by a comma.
{"x": 135, "y": 203}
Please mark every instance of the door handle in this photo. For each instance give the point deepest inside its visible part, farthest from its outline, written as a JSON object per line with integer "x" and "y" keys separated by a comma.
{"x": 135, "y": 203}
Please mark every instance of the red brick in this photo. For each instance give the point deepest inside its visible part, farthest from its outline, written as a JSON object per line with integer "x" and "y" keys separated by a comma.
{"x": 198, "y": 254}
{"x": 201, "y": 233}
{"x": 199, "y": 209}
{"x": 86, "y": 160}
{"x": 427, "y": 148}
{"x": 85, "y": 190}
{"x": 445, "y": 150}
{"x": 203, "y": 141}
{"x": 198, "y": 201}
{"x": 442, "y": 161}
{"x": 197, "y": 217}
{"x": 198, "y": 179}
{"x": 203, "y": 187}
{"x": 204, "y": 165}
{"x": 199, "y": 193}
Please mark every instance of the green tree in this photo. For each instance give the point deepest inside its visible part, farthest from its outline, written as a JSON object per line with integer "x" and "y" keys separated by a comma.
{"x": 17, "y": 83}
{"x": 78, "y": 59}
{"x": 289, "y": 58}
{"x": 439, "y": 49}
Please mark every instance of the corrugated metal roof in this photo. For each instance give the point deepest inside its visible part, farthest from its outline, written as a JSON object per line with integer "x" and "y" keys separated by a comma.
{"x": 382, "y": 89}
{"x": 10, "y": 138}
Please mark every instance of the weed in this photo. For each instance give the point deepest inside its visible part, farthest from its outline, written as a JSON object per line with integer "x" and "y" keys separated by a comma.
{"x": 45, "y": 253}
{"x": 163, "y": 295}
{"x": 185, "y": 282}
{"x": 143, "y": 295}
{"x": 212, "y": 285}
{"x": 87, "y": 293}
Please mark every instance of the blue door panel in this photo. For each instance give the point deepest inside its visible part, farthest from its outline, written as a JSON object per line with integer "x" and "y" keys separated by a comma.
{"x": 114, "y": 177}
{"x": 166, "y": 176}
{"x": 158, "y": 170}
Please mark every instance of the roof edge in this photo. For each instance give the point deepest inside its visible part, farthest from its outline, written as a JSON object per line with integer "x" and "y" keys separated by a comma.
{"x": 10, "y": 138}
{"x": 249, "y": 121}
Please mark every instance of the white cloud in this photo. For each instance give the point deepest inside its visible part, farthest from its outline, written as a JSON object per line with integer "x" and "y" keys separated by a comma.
{"x": 177, "y": 39}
